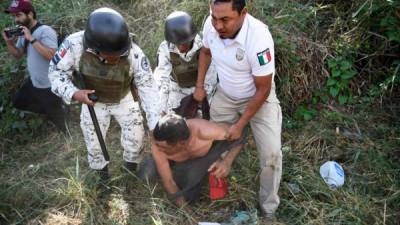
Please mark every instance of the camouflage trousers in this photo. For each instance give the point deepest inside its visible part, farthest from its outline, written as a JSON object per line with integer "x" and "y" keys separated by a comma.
{"x": 127, "y": 114}
{"x": 176, "y": 94}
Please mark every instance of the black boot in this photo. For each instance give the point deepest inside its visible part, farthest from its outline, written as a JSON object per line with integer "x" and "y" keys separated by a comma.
{"x": 58, "y": 115}
{"x": 103, "y": 185}
{"x": 131, "y": 166}
{"x": 148, "y": 169}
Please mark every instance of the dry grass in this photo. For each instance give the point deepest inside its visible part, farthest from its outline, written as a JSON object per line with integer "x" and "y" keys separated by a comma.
{"x": 53, "y": 184}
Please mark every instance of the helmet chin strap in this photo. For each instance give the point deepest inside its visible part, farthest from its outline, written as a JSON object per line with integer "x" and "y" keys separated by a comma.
{"x": 97, "y": 53}
{"x": 85, "y": 47}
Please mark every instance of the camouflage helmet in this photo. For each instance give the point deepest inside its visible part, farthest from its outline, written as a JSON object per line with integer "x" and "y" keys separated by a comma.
{"x": 106, "y": 31}
{"x": 179, "y": 28}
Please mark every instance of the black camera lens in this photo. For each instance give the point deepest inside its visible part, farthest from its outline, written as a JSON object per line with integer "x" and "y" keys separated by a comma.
{"x": 14, "y": 32}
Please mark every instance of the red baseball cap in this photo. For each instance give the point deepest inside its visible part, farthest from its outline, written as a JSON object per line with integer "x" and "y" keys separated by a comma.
{"x": 17, "y": 6}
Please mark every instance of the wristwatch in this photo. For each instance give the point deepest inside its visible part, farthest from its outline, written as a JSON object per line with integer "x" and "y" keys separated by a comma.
{"x": 33, "y": 41}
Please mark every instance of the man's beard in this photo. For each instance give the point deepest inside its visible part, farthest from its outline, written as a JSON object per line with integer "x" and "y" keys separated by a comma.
{"x": 25, "y": 23}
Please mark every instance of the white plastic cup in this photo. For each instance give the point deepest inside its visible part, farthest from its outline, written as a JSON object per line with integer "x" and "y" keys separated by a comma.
{"x": 332, "y": 173}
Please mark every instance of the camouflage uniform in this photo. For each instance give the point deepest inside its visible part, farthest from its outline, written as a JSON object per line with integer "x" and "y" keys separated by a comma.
{"x": 171, "y": 92}
{"x": 126, "y": 110}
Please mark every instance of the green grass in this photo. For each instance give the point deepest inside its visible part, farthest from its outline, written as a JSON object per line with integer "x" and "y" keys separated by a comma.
{"x": 48, "y": 181}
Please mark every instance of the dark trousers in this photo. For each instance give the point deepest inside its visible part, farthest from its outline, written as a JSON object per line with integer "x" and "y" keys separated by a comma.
{"x": 190, "y": 175}
{"x": 41, "y": 101}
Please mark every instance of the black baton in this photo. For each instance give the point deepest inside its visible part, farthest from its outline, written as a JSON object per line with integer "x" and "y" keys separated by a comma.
{"x": 94, "y": 98}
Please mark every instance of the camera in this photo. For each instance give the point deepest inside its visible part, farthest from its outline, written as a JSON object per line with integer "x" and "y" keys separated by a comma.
{"x": 14, "y": 32}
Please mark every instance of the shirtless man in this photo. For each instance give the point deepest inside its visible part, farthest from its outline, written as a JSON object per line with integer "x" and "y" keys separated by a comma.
{"x": 185, "y": 151}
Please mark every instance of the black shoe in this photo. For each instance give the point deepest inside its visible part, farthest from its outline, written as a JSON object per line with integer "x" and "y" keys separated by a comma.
{"x": 147, "y": 169}
{"x": 59, "y": 117}
{"x": 103, "y": 185}
{"x": 131, "y": 166}
{"x": 59, "y": 122}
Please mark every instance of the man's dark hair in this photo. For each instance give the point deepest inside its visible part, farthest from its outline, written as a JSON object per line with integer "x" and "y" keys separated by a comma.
{"x": 33, "y": 12}
{"x": 171, "y": 128}
{"x": 237, "y": 5}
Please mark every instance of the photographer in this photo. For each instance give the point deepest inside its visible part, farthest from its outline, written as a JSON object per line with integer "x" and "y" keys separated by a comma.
{"x": 39, "y": 43}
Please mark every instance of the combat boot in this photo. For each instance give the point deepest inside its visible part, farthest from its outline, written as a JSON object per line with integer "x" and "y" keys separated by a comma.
{"x": 131, "y": 167}
{"x": 103, "y": 185}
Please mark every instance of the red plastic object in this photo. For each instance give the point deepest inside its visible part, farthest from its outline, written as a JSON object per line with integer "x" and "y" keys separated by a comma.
{"x": 218, "y": 187}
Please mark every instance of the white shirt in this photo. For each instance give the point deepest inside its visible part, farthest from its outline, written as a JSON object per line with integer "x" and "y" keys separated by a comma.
{"x": 250, "y": 53}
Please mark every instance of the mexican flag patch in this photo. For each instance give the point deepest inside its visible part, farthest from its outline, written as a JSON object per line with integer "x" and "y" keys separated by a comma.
{"x": 60, "y": 53}
{"x": 264, "y": 57}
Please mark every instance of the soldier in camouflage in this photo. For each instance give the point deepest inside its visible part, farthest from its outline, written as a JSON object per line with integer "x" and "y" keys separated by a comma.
{"x": 176, "y": 71}
{"x": 110, "y": 64}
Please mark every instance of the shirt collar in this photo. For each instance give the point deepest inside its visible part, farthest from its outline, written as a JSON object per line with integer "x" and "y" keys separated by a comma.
{"x": 242, "y": 35}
